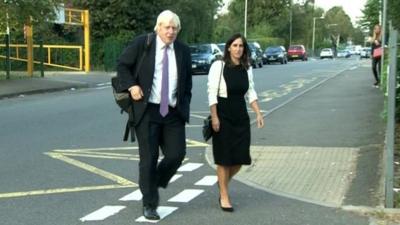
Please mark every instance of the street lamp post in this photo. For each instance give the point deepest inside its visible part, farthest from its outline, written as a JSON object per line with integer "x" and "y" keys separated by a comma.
{"x": 313, "y": 34}
{"x": 245, "y": 19}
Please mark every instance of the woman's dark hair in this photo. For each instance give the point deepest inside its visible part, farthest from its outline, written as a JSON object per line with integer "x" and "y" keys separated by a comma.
{"x": 244, "y": 60}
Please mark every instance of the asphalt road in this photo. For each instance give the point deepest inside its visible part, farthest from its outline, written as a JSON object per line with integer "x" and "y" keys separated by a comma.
{"x": 61, "y": 158}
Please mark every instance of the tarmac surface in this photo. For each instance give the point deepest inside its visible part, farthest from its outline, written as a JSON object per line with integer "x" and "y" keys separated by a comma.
{"x": 314, "y": 161}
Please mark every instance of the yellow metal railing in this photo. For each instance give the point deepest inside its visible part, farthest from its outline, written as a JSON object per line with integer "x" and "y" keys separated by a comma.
{"x": 74, "y": 16}
{"x": 18, "y": 48}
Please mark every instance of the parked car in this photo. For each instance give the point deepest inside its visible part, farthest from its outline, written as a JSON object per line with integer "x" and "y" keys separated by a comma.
{"x": 343, "y": 54}
{"x": 275, "y": 54}
{"x": 221, "y": 47}
{"x": 326, "y": 53}
{"x": 297, "y": 52}
{"x": 365, "y": 52}
{"x": 203, "y": 55}
{"x": 255, "y": 54}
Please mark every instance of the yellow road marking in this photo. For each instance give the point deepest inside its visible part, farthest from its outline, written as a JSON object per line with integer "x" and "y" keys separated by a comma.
{"x": 92, "y": 169}
{"x": 194, "y": 143}
{"x": 61, "y": 190}
{"x": 130, "y": 157}
{"x": 61, "y": 154}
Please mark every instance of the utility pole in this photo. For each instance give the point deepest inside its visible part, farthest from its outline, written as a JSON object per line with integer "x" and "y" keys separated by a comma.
{"x": 245, "y": 19}
{"x": 8, "y": 52}
{"x": 290, "y": 22}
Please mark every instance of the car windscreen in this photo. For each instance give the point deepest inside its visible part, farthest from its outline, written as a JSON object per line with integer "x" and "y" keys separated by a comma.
{"x": 273, "y": 50}
{"x": 295, "y": 48}
{"x": 200, "y": 49}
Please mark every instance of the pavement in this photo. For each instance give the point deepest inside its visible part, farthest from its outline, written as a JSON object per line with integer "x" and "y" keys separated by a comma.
{"x": 53, "y": 81}
{"x": 316, "y": 148}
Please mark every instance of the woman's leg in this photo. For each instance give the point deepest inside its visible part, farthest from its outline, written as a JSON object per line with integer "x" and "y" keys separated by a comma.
{"x": 375, "y": 63}
{"x": 223, "y": 180}
{"x": 233, "y": 170}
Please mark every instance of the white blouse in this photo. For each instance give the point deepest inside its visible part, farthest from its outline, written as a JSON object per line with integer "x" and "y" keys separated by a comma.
{"x": 213, "y": 79}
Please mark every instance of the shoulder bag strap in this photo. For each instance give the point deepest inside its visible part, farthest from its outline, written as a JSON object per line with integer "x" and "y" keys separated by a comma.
{"x": 220, "y": 75}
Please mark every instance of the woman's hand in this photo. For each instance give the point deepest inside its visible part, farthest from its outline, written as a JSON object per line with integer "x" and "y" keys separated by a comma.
{"x": 136, "y": 92}
{"x": 215, "y": 123}
{"x": 260, "y": 120}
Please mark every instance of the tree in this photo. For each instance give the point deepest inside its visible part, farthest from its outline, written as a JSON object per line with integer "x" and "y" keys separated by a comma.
{"x": 394, "y": 13}
{"x": 20, "y": 12}
{"x": 370, "y": 15}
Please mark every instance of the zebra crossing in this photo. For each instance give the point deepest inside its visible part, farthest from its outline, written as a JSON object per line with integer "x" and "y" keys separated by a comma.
{"x": 184, "y": 196}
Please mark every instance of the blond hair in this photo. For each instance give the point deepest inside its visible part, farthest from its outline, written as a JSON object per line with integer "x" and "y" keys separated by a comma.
{"x": 376, "y": 36}
{"x": 167, "y": 16}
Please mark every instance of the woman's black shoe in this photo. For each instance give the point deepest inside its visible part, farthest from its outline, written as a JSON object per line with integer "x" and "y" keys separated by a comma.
{"x": 225, "y": 209}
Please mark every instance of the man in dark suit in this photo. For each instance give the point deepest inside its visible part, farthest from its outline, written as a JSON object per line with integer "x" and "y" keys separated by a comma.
{"x": 161, "y": 95}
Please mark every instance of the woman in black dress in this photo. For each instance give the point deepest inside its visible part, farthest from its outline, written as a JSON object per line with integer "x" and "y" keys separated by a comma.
{"x": 229, "y": 82}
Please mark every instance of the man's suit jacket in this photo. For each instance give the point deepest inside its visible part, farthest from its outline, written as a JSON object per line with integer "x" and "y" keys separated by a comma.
{"x": 127, "y": 66}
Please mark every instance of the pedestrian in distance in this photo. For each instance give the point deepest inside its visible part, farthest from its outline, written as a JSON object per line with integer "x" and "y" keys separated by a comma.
{"x": 229, "y": 81}
{"x": 161, "y": 93}
{"x": 376, "y": 58}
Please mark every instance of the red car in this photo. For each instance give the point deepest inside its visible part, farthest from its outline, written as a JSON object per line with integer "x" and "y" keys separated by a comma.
{"x": 297, "y": 52}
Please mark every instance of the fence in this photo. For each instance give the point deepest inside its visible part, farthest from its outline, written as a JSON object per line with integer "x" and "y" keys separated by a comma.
{"x": 391, "y": 94}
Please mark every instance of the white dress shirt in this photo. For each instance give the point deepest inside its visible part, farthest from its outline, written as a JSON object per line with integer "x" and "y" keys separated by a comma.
{"x": 155, "y": 96}
{"x": 213, "y": 79}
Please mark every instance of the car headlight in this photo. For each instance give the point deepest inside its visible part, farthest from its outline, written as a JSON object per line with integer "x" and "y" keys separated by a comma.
{"x": 280, "y": 55}
{"x": 201, "y": 61}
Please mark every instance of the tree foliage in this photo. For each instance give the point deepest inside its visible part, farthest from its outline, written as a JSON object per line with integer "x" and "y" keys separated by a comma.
{"x": 20, "y": 12}
{"x": 110, "y": 18}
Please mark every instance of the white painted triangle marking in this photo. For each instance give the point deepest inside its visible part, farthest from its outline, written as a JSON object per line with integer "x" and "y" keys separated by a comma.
{"x": 134, "y": 196}
{"x": 175, "y": 177}
{"x": 102, "y": 213}
{"x": 207, "y": 181}
{"x": 186, "y": 195}
{"x": 163, "y": 211}
{"x": 190, "y": 167}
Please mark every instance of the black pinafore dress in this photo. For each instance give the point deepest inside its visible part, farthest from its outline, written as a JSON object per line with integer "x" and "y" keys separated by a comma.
{"x": 231, "y": 145}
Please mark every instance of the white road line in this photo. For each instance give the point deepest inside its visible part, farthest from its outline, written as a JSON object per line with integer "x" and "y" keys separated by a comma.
{"x": 186, "y": 195}
{"x": 163, "y": 211}
{"x": 100, "y": 88}
{"x": 103, "y": 84}
{"x": 102, "y": 213}
{"x": 175, "y": 177}
{"x": 190, "y": 167}
{"x": 207, "y": 181}
{"x": 134, "y": 196}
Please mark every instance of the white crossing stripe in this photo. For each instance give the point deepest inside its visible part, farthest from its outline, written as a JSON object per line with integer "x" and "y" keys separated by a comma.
{"x": 186, "y": 195}
{"x": 102, "y": 213}
{"x": 207, "y": 181}
{"x": 134, "y": 196}
{"x": 175, "y": 177}
{"x": 163, "y": 211}
{"x": 190, "y": 167}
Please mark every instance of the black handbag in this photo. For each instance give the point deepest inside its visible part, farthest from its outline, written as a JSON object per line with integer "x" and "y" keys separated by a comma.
{"x": 207, "y": 123}
{"x": 207, "y": 128}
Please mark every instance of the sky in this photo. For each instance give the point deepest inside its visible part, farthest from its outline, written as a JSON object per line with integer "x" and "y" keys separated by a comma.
{"x": 351, "y": 7}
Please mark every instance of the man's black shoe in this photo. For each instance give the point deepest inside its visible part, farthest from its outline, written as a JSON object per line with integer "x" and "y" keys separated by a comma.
{"x": 150, "y": 213}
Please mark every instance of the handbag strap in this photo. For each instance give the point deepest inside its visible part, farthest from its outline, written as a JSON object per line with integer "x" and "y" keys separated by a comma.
{"x": 220, "y": 75}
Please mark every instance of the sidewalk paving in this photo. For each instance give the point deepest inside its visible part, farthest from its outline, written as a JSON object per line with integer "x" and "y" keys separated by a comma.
{"x": 53, "y": 81}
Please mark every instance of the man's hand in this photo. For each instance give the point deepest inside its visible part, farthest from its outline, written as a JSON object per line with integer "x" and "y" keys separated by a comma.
{"x": 136, "y": 92}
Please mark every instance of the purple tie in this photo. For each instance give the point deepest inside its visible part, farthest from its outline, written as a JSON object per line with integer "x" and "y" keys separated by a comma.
{"x": 164, "y": 84}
